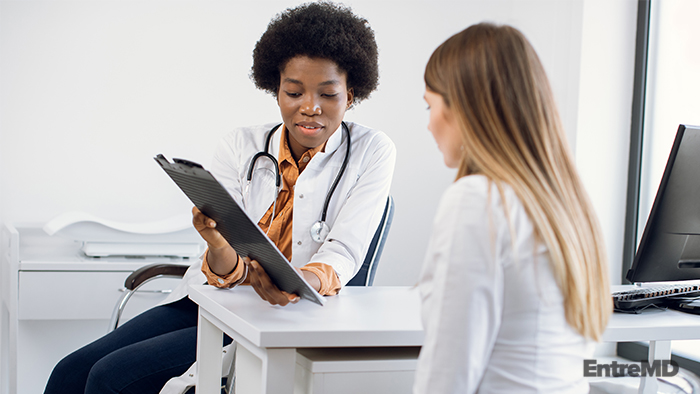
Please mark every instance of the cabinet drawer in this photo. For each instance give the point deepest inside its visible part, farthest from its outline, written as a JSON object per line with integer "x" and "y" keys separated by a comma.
{"x": 68, "y": 295}
{"x": 80, "y": 295}
{"x": 354, "y": 370}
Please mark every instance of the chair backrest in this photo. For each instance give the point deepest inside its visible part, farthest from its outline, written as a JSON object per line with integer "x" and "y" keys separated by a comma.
{"x": 365, "y": 276}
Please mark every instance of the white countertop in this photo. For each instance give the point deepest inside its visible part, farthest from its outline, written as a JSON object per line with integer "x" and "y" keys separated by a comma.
{"x": 359, "y": 316}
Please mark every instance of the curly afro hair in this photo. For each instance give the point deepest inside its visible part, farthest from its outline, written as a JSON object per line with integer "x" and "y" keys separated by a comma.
{"x": 318, "y": 30}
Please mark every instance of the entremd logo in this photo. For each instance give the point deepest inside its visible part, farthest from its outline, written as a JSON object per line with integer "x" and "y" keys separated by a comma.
{"x": 665, "y": 368}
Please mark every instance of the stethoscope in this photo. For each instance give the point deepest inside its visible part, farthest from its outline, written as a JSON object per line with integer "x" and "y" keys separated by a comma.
{"x": 319, "y": 230}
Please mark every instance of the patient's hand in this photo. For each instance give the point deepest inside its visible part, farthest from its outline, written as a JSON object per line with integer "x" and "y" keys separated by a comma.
{"x": 263, "y": 285}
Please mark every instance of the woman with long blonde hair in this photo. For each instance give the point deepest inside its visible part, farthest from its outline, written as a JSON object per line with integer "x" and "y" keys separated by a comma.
{"x": 515, "y": 283}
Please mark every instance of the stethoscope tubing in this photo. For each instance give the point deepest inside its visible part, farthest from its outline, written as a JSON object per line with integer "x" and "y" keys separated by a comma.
{"x": 340, "y": 174}
{"x": 278, "y": 180}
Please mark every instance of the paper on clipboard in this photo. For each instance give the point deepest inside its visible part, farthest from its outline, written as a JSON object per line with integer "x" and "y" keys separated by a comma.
{"x": 234, "y": 224}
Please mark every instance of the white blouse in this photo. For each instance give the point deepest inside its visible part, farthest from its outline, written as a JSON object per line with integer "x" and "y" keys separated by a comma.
{"x": 493, "y": 314}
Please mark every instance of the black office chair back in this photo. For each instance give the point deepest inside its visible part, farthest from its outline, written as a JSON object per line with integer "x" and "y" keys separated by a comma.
{"x": 365, "y": 276}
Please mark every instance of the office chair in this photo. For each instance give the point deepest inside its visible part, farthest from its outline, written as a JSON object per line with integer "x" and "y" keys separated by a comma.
{"x": 364, "y": 277}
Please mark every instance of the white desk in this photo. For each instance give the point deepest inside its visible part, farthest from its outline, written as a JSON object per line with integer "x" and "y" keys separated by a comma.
{"x": 363, "y": 317}
{"x": 54, "y": 300}
{"x": 658, "y": 328}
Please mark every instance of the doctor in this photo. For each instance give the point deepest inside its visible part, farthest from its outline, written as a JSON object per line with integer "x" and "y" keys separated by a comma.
{"x": 317, "y": 60}
{"x": 320, "y": 158}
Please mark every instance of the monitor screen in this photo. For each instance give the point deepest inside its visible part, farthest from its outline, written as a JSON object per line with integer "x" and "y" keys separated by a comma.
{"x": 670, "y": 245}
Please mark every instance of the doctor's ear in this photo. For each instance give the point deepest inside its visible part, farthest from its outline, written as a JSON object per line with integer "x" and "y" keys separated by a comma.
{"x": 351, "y": 98}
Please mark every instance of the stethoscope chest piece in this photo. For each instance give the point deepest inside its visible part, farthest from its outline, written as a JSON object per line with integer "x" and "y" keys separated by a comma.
{"x": 319, "y": 231}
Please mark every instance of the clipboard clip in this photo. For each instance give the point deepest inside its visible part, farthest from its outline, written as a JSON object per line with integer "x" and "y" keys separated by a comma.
{"x": 188, "y": 163}
{"x": 165, "y": 163}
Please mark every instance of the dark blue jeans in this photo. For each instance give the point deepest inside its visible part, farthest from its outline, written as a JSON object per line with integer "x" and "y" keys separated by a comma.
{"x": 138, "y": 357}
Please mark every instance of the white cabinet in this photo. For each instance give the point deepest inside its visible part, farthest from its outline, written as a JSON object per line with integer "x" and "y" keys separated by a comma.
{"x": 355, "y": 370}
{"x": 67, "y": 295}
{"x": 55, "y": 300}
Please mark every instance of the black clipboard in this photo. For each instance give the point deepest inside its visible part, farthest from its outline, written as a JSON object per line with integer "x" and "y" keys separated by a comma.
{"x": 210, "y": 197}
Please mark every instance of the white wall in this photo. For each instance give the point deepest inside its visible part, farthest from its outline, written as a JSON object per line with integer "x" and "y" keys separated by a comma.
{"x": 605, "y": 113}
{"x": 672, "y": 85}
{"x": 90, "y": 91}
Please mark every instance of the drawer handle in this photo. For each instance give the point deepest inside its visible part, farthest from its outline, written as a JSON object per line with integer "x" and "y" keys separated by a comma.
{"x": 164, "y": 291}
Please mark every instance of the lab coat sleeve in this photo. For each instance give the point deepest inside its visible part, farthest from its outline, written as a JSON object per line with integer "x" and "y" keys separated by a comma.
{"x": 462, "y": 292}
{"x": 359, "y": 217}
{"x": 227, "y": 163}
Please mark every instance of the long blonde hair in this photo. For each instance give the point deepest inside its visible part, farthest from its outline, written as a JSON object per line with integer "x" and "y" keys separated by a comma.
{"x": 492, "y": 80}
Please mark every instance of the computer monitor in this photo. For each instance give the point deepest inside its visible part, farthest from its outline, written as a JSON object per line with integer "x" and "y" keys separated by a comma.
{"x": 670, "y": 246}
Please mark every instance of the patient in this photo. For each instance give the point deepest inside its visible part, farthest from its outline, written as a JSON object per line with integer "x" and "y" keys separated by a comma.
{"x": 514, "y": 286}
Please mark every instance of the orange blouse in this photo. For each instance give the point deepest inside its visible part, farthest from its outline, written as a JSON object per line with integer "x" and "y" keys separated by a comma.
{"x": 279, "y": 230}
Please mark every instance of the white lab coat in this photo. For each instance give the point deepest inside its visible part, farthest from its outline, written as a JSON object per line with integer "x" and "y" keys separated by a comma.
{"x": 354, "y": 211}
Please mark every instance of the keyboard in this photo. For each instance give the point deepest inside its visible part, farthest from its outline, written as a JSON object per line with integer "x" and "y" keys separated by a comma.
{"x": 636, "y": 299}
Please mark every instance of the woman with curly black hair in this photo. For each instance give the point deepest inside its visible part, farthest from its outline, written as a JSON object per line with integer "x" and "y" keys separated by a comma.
{"x": 317, "y": 60}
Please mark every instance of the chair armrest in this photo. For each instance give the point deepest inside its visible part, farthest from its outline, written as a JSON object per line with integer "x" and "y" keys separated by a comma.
{"x": 150, "y": 271}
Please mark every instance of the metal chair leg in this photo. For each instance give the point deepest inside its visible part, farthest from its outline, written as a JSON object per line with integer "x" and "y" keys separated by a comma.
{"x": 230, "y": 387}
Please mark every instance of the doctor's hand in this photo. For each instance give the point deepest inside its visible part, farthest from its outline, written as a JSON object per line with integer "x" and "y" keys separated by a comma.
{"x": 221, "y": 257}
{"x": 263, "y": 285}
{"x": 207, "y": 229}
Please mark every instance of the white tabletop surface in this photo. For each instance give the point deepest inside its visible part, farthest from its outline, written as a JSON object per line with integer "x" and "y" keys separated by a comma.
{"x": 652, "y": 324}
{"x": 385, "y": 316}
{"x": 360, "y": 316}
{"x": 39, "y": 251}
